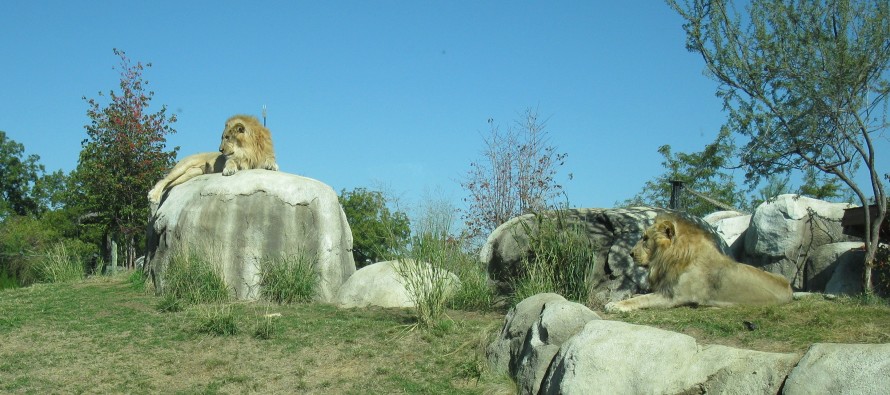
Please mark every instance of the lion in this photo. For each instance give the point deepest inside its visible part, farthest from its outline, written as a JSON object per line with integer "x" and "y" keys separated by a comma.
{"x": 687, "y": 268}
{"x": 246, "y": 144}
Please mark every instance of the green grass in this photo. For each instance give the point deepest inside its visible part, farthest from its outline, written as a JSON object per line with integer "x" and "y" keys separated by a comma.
{"x": 103, "y": 335}
{"x": 791, "y": 327}
{"x": 561, "y": 259}
{"x": 288, "y": 279}
{"x": 193, "y": 277}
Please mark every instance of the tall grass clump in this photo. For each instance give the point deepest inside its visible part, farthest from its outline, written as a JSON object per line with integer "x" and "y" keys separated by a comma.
{"x": 561, "y": 258}
{"x": 59, "y": 264}
{"x": 423, "y": 265}
{"x": 217, "y": 320}
{"x": 193, "y": 277}
{"x": 289, "y": 278}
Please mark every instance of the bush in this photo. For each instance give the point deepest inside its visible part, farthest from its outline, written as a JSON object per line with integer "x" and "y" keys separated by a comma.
{"x": 32, "y": 250}
{"x": 561, "y": 259}
{"x": 194, "y": 278}
{"x": 288, "y": 279}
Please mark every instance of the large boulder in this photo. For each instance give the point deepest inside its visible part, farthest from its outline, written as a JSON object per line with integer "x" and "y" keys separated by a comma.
{"x": 532, "y": 334}
{"x": 786, "y": 230}
{"x": 614, "y": 231}
{"x": 731, "y": 226}
{"x": 240, "y": 220}
{"x": 823, "y": 263}
{"x": 558, "y": 322}
{"x": 383, "y": 284}
{"x": 846, "y": 279}
{"x": 841, "y": 369}
{"x": 619, "y": 358}
{"x": 504, "y": 351}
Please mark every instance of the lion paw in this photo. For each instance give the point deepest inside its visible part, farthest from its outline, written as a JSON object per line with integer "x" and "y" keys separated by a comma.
{"x": 615, "y": 307}
{"x": 227, "y": 171}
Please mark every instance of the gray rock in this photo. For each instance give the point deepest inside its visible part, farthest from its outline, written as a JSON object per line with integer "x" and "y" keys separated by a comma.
{"x": 731, "y": 226}
{"x": 504, "y": 351}
{"x": 559, "y": 321}
{"x": 822, "y": 265}
{"x": 785, "y": 231}
{"x": 239, "y": 220}
{"x": 846, "y": 279}
{"x": 841, "y": 369}
{"x": 382, "y": 284}
{"x": 619, "y": 358}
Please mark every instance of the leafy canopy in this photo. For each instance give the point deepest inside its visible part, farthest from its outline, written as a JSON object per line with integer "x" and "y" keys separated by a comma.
{"x": 124, "y": 154}
{"x": 377, "y": 232}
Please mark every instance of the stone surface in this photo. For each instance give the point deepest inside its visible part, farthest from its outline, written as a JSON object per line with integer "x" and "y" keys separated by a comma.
{"x": 619, "y": 358}
{"x": 731, "y": 226}
{"x": 823, "y": 263}
{"x": 239, "y": 220}
{"x": 382, "y": 284}
{"x": 559, "y": 321}
{"x": 841, "y": 369}
{"x": 503, "y": 352}
{"x": 786, "y": 230}
{"x": 846, "y": 279}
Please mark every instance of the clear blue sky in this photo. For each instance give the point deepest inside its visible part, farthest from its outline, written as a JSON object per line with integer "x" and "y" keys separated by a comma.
{"x": 370, "y": 93}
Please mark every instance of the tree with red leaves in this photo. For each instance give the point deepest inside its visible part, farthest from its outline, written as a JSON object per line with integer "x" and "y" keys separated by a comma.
{"x": 124, "y": 154}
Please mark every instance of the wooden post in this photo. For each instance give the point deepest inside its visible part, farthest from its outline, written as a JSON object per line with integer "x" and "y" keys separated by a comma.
{"x": 676, "y": 194}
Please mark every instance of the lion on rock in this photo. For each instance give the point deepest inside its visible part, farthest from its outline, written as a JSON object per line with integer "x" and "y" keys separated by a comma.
{"x": 246, "y": 144}
{"x": 687, "y": 268}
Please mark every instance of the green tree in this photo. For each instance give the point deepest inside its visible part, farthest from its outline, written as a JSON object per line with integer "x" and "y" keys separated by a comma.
{"x": 805, "y": 84}
{"x": 515, "y": 177}
{"x": 377, "y": 232}
{"x": 703, "y": 172}
{"x": 124, "y": 154}
{"x": 18, "y": 178}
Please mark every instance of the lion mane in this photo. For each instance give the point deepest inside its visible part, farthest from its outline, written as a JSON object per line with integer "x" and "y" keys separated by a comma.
{"x": 687, "y": 268}
{"x": 245, "y": 144}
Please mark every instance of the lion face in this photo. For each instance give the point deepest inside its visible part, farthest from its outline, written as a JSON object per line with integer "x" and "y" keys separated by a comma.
{"x": 232, "y": 138}
{"x": 657, "y": 236}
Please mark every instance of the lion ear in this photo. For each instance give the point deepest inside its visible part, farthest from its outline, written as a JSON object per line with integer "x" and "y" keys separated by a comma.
{"x": 667, "y": 229}
{"x": 239, "y": 128}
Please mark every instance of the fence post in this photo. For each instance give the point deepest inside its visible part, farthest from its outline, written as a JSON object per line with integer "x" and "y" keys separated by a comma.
{"x": 676, "y": 194}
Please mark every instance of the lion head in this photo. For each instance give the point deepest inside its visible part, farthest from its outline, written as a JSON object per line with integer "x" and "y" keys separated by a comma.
{"x": 248, "y": 143}
{"x": 656, "y": 237}
{"x": 669, "y": 246}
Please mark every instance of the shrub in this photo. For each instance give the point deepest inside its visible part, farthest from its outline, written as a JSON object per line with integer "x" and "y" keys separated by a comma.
{"x": 288, "y": 279}
{"x": 194, "y": 278}
{"x": 561, "y": 259}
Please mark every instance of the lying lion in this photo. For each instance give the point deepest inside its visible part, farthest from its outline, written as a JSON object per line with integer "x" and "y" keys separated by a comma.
{"x": 687, "y": 268}
{"x": 246, "y": 144}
